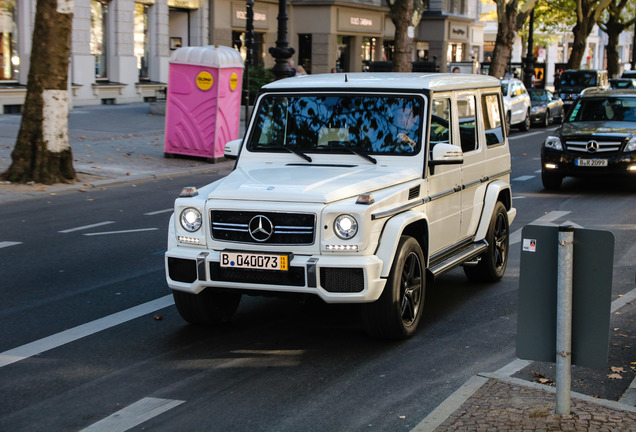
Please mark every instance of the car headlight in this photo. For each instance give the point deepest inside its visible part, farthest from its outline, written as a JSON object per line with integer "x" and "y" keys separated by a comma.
{"x": 191, "y": 219}
{"x": 553, "y": 143}
{"x": 631, "y": 145}
{"x": 536, "y": 109}
{"x": 345, "y": 226}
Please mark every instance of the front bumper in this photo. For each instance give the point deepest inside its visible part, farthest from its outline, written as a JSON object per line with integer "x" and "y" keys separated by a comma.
{"x": 565, "y": 164}
{"x": 334, "y": 278}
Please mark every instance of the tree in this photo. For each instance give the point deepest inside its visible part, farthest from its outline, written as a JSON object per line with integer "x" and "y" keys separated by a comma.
{"x": 511, "y": 17}
{"x": 588, "y": 13}
{"x": 404, "y": 14}
{"x": 42, "y": 151}
{"x": 614, "y": 23}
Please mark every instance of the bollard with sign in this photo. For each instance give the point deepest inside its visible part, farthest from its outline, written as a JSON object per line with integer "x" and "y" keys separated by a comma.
{"x": 565, "y": 288}
{"x": 203, "y": 101}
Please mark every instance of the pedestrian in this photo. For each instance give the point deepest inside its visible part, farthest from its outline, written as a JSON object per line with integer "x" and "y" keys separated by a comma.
{"x": 300, "y": 71}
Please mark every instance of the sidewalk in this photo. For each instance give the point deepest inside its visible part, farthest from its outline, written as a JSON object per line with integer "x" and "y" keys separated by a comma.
{"x": 110, "y": 144}
{"x": 124, "y": 143}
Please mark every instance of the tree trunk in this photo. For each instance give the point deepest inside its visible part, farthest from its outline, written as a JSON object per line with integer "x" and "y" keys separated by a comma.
{"x": 581, "y": 31}
{"x": 613, "y": 33}
{"x": 42, "y": 151}
{"x": 507, "y": 17}
{"x": 401, "y": 14}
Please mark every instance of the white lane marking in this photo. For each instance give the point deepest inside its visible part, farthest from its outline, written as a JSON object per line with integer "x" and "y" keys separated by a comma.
{"x": 85, "y": 227}
{"x": 523, "y": 178}
{"x": 546, "y": 219}
{"x": 75, "y": 333}
{"x": 159, "y": 212}
{"x": 8, "y": 243}
{"x": 121, "y": 232}
{"x": 133, "y": 415}
{"x": 525, "y": 135}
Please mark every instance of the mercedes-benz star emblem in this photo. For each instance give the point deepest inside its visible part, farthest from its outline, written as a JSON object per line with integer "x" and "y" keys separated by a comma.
{"x": 261, "y": 228}
{"x": 592, "y": 147}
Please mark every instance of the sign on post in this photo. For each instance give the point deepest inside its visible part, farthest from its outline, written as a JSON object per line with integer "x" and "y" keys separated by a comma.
{"x": 593, "y": 257}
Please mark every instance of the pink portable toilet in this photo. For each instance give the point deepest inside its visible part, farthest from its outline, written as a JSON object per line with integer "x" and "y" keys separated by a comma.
{"x": 203, "y": 101}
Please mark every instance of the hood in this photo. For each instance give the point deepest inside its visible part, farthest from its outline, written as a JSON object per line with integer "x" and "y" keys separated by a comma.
{"x": 307, "y": 183}
{"x": 599, "y": 129}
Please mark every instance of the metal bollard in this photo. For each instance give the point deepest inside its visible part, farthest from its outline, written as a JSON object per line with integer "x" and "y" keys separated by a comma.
{"x": 564, "y": 319}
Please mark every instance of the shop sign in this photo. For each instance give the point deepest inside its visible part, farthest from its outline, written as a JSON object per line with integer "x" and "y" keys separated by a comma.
{"x": 367, "y": 22}
{"x": 458, "y": 32}
{"x": 239, "y": 16}
{"x": 184, "y": 4}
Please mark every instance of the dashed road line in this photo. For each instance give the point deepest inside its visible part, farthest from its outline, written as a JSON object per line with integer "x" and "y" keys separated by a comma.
{"x": 159, "y": 212}
{"x": 133, "y": 415}
{"x": 75, "y": 333}
{"x": 121, "y": 232}
{"x": 546, "y": 219}
{"x": 523, "y": 178}
{"x": 85, "y": 227}
{"x": 5, "y": 244}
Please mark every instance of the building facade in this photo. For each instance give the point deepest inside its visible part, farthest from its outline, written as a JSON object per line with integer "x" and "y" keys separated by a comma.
{"x": 121, "y": 49}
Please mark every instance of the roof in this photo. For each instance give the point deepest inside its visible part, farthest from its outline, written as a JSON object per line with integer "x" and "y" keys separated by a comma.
{"x": 593, "y": 92}
{"x": 384, "y": 81}
{"x": 211, "y": 56}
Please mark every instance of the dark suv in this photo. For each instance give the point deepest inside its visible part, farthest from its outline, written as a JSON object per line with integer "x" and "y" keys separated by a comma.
{"x": 597, "y": 138}
{"x": 572, "y": 83}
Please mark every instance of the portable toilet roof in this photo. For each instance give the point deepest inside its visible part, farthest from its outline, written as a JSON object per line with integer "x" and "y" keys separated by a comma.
{"x": 212, "y": 56}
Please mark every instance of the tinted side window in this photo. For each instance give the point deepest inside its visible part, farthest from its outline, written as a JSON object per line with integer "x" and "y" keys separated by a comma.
{"x": 492, "y": 119}
{"x": 467, "y": 122}
{"x": 440, "y": 122}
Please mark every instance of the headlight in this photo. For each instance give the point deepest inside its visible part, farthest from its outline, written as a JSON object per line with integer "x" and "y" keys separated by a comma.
{"x": 191, "y": 219}
{"x": 631, "y": 145}
{"x": 536, "y": 109}
{"x": 553, "y": 143}
{"x": 345, "y": 226}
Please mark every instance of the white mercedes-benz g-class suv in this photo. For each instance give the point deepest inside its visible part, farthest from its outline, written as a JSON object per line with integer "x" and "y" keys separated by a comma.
{"x": 353, "y": 188}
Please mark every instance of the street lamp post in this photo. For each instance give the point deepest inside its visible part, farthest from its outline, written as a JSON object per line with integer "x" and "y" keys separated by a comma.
{"x": 282, "y": 52}
{"x": 528, "y": 70}
{"x": 249, "y": 44}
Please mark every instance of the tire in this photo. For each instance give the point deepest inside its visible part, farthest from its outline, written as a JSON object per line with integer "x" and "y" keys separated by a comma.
{"x": 492, "y": 265}
{"x": 551, "y": 180}
{"x": 508, "y": 121}
{"x": 525, "y": 125}
{"x": 209, "y": 307}
{"x": 396, "y": 314}
{"x": 546, "y": 120}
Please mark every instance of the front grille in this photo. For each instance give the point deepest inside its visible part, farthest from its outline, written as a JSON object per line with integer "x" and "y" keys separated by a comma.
{"x": 295, "y": 276}
{"x": 602, "y": 146}
{"x": 182, "y": 270}
{"x": 286, "y": 228}
{"x": 342, "y": 280}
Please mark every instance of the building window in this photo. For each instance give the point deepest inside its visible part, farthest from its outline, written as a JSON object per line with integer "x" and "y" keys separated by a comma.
{"x": 9, "y": 58}
{"x": 141, "y": 39}
{"x": 304, "y": 51}
{"x": 99, "y": 37}
{"x": 258, "y": 53}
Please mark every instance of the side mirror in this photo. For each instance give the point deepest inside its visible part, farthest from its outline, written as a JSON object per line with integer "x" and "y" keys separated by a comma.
{"x": 445, "y": 154}
{"x": 232, "y": 148}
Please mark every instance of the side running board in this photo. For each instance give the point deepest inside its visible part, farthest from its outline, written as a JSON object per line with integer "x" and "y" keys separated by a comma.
{"x": 458, "y": 257}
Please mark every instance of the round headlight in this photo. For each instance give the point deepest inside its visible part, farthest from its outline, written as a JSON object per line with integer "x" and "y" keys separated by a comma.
{"x": 345, "y": 226}
{"x": 191, "y": 219}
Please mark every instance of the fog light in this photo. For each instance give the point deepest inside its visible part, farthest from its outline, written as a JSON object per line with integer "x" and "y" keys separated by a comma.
{"x": 550, "y": 166}
{"x": 631, "y": 168}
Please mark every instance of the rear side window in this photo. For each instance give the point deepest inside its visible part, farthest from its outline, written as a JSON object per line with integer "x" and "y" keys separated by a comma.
{"x": 467, "y": 123}
{"x": 492, "y": 119}
{"x": 440, "y": 122}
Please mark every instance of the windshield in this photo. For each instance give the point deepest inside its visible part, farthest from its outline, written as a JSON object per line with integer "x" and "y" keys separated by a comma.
{"x": 578, "y": 79}
{"x": 540, "y": 95}
{"x": 504, "y": 89}
{"x": 372, "y": 124}
{"x": 604, "y": 109}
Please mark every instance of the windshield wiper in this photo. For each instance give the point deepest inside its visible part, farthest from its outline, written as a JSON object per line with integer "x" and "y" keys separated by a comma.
{"x": 296, "y": 152}
{"x": 361, "y": 154}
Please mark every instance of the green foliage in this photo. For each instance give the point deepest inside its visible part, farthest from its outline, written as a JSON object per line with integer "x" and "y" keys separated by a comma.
{"x": 259, "y": 76}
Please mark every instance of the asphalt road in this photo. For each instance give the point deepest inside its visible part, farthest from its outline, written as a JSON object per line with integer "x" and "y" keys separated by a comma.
{"x": 92, "y": 342}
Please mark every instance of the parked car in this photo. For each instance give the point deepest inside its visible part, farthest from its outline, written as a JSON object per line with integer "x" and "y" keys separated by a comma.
{"x": 573, "y": 82}
{"x": 598, "y": 138}
{"x": 546, "y": 107}
{"x": 516, "y": 103}
{"x": 623, "y": 83}
{"x": 344, "y": 191}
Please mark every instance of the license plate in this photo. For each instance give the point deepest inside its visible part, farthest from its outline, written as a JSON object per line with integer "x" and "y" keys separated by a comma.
{"x": 591, "y": 162}
{"x": 248, "y": 260}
